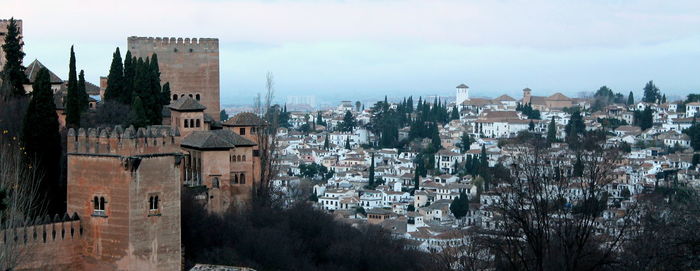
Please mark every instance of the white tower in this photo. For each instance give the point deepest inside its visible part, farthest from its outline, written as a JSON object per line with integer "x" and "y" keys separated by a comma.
{"x": 462, "y": 93}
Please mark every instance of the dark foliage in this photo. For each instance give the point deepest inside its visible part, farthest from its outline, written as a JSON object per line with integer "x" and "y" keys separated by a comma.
{"x": 298, "y": 238}
{"x": 13, "y": 71}
{"x": 42, "y": 140}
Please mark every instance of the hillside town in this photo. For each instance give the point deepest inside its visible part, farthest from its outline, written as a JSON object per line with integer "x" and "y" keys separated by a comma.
{"x": 352, "y": 177}
{"x": 144, "y": 166}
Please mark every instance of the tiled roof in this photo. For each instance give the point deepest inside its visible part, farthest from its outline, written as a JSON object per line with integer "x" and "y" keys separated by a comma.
{"x": 187, "y": 104}
{"x": 215, "y": 139}
{"x": 244, "y": 119}
{"x": 34, "y": 68}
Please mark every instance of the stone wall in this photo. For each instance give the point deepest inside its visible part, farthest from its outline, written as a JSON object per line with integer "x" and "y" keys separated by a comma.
{"x": 190, "y": 65}
{"x": 46, "y": 245}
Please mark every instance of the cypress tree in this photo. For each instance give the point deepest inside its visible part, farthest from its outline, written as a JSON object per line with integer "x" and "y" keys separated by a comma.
{"x": 84, "y": 98}
{"x": 630, "y": 98}
{"x": 552, "y": 131}
{"x": 326, "y": 143}
{"x": 155, "y": 105}
{"x": 455, "y": 113}
{"x": 347, "y": 143}
{"x": 137, "y": 114}
{"x": 12, "y": 70}
{"x": 223, "y": 115}
{"x": 578, "y": 167}
{"x": 165, "y": 96}
{"x": 73, "y": 97}
{"x": 651, "y": 93}
{"x": 370, "y": 183}
{"x": 531, "y": 126}
{"x": 129, "y": 74}
{"x": 115, "y": 80}
{"x": 460, "y": 206}
{"x": 41, "y": 137}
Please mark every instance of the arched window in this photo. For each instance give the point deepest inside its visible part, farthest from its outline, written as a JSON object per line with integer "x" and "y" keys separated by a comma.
{"x": 198, "y": 124}
{"x": 235, "y": 179}
{"x": 98, "y": 206}
{"x": 215, "y": 182}
{"x": 153, "y": 203}
{"x": 174, "y": 97}
{"x": 243, "y": 158}
{"x": 182, "y": 95}
{"x": 191, "y": 96}
{"x": 191, "y": 123}
{"x": 187, "y": 123}
{"x": 102, "y": 203}
{"x": 242, "y": 178}
{"x": 96, "y": 203}
{"x": 197, "y": 97}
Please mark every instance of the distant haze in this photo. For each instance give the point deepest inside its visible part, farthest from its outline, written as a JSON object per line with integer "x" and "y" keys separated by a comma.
{"x": 363, "y": 50}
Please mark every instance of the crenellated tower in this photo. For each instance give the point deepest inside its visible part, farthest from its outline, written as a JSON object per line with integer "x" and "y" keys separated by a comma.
{"x": 124, "y": 184}
{"x": 190, "y": 65}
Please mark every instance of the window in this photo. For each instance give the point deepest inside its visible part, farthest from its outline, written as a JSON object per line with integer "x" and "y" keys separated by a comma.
{"x": 243, "y": 158}
{"x": 191, "y": 123}
{"x": 99, "y": 206}
{"x": 197, "y": 97}
{"x": 242, "y": 131}
{"x": 198, "y": 124}
{"x": 242, "y": 178}
{"x": 153, "y": 205}
{"x": 191, "y": 96}
{"x": 252, "y": 130}
{"x": 215, "y": 182}
{"x": 234, "y": 180}
{"x": 187, "y": 123}
{"x": 256, "y": 153}
{"x": 174, "y": 97}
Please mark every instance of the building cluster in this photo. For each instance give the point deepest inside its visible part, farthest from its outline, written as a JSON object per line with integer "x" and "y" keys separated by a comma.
{"x": 421, "y": 211}
{"x": 125, "y": 185}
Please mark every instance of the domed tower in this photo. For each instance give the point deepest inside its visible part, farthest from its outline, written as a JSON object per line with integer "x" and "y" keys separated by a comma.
{"x": 462, "y": 93}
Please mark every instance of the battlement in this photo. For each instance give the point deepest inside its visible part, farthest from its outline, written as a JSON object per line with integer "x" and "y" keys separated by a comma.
{"x": 123, "y": 142}
{"x": 208, "y": 43}
{"x": 44, "y": 230}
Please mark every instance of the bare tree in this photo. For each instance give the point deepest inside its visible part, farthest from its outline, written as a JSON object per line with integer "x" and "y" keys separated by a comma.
{"x": 20, "y": 203}
{"x": 267, "y": 141}
{"x": 548, "y": 216}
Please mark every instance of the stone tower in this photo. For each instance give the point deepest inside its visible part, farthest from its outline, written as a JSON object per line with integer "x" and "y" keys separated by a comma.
{"x": 3, "y": 31}
{"x": 190, "y": 65}
{"x": 462, "y": 93}
{"x": 124, "y": 184}
{"x": 527, "y": 95}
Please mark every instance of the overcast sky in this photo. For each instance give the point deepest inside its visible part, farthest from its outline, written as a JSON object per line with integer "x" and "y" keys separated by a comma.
{"x": 365, "y": 49}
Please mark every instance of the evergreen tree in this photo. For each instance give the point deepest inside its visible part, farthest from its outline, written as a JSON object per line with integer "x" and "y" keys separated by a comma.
{"x": 552, "y": 131}
{"x": 137, "y": 114}
{"x": 460, "y": 206}
{"x": 319, "y": 119}
{"x": 347, "y": 143}
{"x": 326, "y": 143}
{"x": 13, "y": 71}
{"x": 646, "y": 118}
{"x": 630, "y": 98}
{"x": 223, "y": 115}
{"x": 115, "y": 80}
{"x": 348, "y": 124}
{"x": 531, "y": 126}
{"x": 155, "y": 105}
{"x": 578, "y": 167}
{"x": 651, "y": 93}
{"x": 84, "y": 98}
{"x": 165, "y": 94}
{"x": 73, "y": 97}
{"x": 455, "y": 113}
{"x": 129, "y": 73}
{"x": 371, "y": 183}
{"x": 575, "y": 130}
{"x": 42, "y": 140}
{"x": 464, "y": 143}
{"x": 663, "y": 99}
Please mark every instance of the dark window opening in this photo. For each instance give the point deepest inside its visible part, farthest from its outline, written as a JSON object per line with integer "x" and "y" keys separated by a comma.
{"x": 197, "y": 97}
{"x": 242, "y": 130}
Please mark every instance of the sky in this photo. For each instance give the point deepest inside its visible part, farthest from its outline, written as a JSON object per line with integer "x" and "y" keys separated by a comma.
{"x": 365, "y": 49}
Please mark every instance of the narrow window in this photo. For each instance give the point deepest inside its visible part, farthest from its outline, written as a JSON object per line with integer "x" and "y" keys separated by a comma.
{"x": 191, "y": 123}
{"x": 198, "y": 124}
{"x": 242, "y": 131}
{"x": 191, "y": 96}
{"x": 153, "y": 205}
{"x": 243, "y": 158}
{"x": 187, "y": 123}
{"x": 174, "y": 97}
{"x": 197, "y": 97}
{"x": 242, "y": 178}
{"x": 235, "y": 179}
